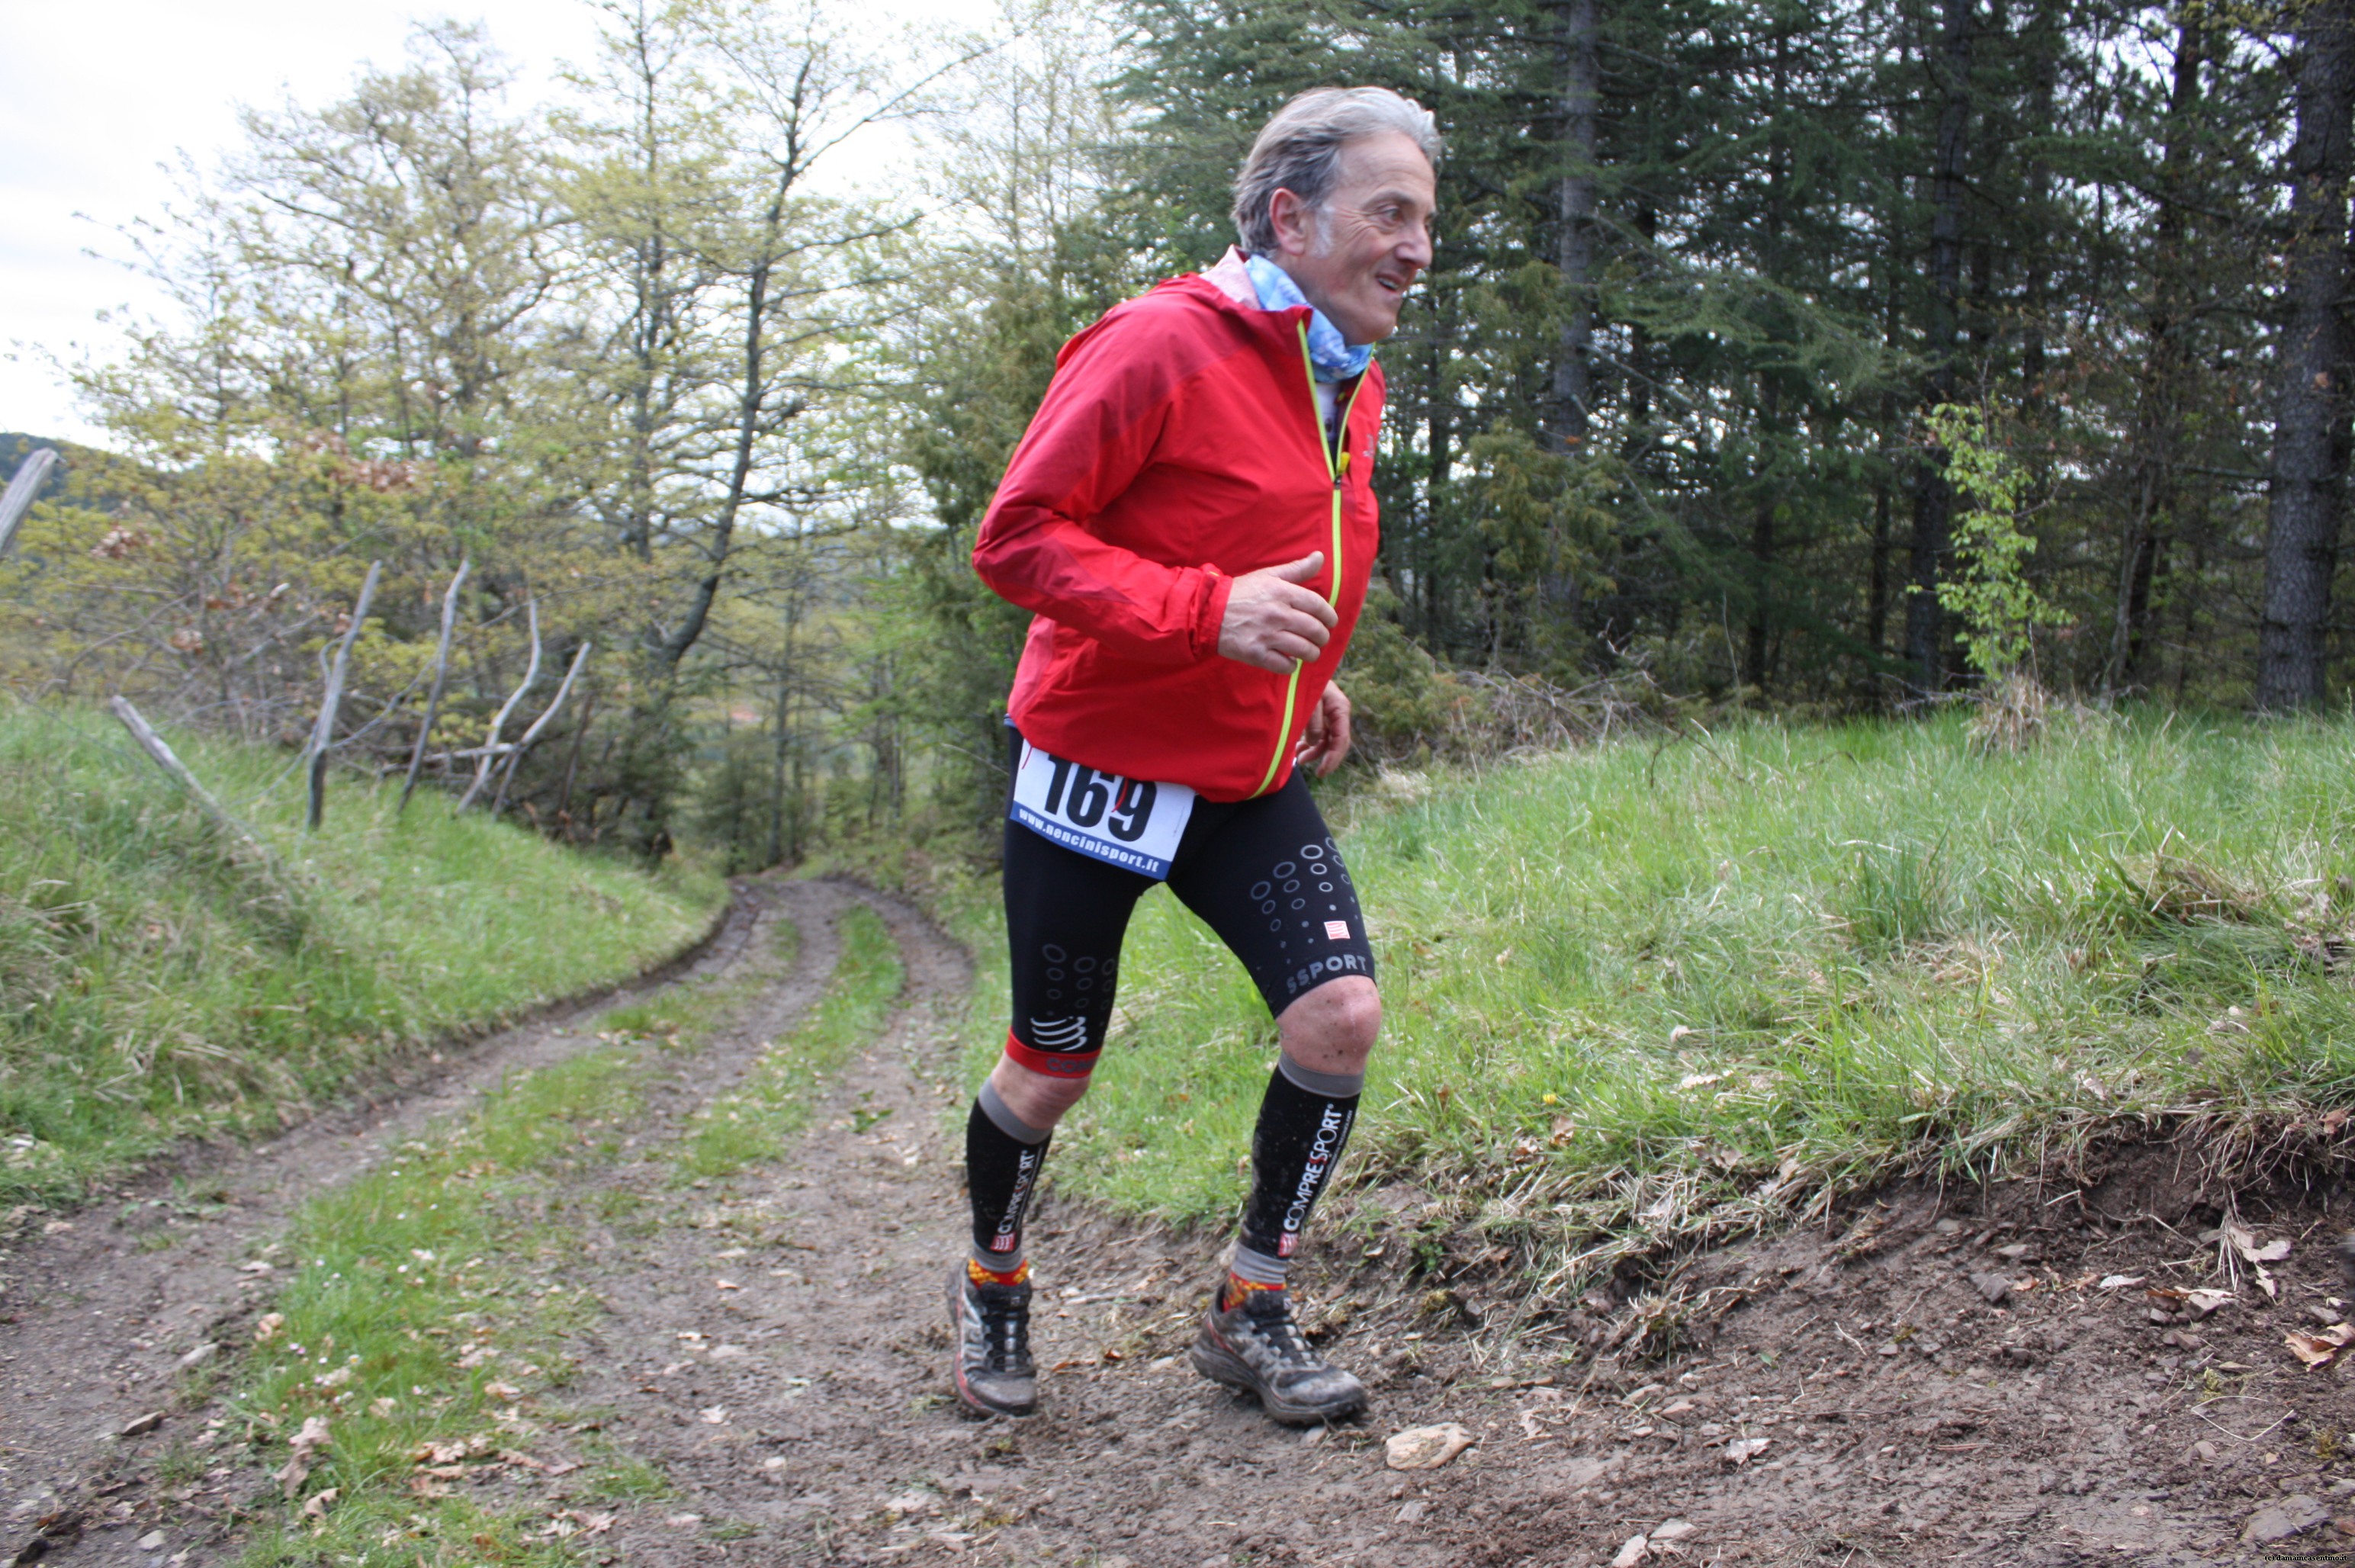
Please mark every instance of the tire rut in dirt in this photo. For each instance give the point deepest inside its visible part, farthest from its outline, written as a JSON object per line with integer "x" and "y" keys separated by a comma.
{"x": 98, "y": 1311}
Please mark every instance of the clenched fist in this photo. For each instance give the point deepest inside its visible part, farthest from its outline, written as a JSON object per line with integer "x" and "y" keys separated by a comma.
{"x": 1272, "y": 621}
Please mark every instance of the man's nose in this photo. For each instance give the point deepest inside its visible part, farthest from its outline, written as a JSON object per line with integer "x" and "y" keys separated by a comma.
{"x": 1415, "y": 248}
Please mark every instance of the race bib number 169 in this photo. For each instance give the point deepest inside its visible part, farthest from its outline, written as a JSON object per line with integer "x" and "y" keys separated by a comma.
{"x": 1134, "y": 823}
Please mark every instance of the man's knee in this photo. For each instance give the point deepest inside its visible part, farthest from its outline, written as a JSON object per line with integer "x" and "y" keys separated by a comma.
{"x": 1038, "y": 1098}
{"x": 1332, "y": 1027}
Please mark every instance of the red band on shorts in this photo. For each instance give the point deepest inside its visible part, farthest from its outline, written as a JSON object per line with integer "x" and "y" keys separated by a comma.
{"x": 1053, "y": 1063}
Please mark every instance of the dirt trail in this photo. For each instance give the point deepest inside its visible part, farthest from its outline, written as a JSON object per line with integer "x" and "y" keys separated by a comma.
{"x": 1844, "y": 1398}
{"x": 97, "y": 1312}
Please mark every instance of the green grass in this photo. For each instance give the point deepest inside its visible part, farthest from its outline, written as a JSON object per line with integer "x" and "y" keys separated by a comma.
{"x": 748, "y": 1124}
{"x": 155, "y": 986}
{"x": 437, "y": 1279}
{"x": 1663, "y": 991}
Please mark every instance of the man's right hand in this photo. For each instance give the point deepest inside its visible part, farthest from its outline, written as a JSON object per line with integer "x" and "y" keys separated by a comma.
{"x": 1272, "y": 621}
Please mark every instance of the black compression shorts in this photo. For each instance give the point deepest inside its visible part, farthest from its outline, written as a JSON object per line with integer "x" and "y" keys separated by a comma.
{"x": 1263, "y": 873}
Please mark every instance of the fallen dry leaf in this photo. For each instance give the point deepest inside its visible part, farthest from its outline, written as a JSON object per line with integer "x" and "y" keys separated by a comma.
{"x": 1742, "y": 1450}
{"x": 2121, "y": 1281}
{"x": 2203, "y": 1302}
{"x": 1636, "y": 1550}
{"x": 1426, "y": 1447}
{"x": 320, "y": 1502}
{"x": 267, "y": 1326}
{"x": 307, "y": 1443}
{"x": 499, "y": 1390}
{"x": 2313, "y": 1350}
{"x": 2244, "y": 1241}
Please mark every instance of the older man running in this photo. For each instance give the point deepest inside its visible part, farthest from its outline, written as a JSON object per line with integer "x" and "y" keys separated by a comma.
{"x": 1191, "y": 518}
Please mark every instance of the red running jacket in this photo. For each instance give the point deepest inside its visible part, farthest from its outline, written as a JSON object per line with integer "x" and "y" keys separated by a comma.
{"x": 1177, "y": 447}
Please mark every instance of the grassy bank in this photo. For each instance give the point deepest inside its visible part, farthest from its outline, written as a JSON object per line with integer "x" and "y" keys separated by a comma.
{"x": 155, "y": 986}
{"x": 1662, "y": 991}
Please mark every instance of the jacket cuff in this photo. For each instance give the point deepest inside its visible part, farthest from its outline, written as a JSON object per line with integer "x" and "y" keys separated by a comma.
{"x": 1212, "y": 616}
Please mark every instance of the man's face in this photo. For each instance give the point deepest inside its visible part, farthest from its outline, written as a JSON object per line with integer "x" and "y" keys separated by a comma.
{"x": 1356, "y": 256}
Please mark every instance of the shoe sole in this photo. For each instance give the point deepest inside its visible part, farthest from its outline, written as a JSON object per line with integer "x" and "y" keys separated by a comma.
{"x": 1223, "y": 1367}
{"x": 965, "y": 1391}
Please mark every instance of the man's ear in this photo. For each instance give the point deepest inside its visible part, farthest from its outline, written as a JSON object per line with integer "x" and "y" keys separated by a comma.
{"x": 1294, "y": 221}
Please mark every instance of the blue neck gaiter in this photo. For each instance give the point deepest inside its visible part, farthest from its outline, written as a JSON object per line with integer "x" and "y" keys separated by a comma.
{"x": 1332, "y": 359}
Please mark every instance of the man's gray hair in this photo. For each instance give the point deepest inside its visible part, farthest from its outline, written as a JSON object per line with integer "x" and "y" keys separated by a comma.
{"x": 1300, "y": 149}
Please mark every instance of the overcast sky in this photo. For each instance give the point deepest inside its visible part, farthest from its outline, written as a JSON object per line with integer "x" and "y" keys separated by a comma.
{"x": 99, "y": 99}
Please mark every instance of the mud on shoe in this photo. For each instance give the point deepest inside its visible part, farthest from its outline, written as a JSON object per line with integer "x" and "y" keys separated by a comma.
{"x": 990, "y": 1327}
{"x": 1254, "y": 1347}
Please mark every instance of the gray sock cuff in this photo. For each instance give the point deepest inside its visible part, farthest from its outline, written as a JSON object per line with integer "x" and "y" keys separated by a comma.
{"x": 1332, "y": 1085}
{"x": 994, "y": 1106}
{"x": 1257, "y": 1266}
{"x": 998, "y": 1262}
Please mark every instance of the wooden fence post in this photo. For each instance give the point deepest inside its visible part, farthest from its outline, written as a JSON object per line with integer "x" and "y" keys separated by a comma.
{"x": 323, "y": 735}
{"x": 153, "y": 744}
{"x": 490, "y": 752}
{"x": 440, "y": 679}
{"x": 18, "y": 500}
{"x": 515, "y": 757}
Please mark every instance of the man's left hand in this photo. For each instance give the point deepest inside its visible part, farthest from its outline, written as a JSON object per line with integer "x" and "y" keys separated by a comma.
{"x": 1327, "y": 738}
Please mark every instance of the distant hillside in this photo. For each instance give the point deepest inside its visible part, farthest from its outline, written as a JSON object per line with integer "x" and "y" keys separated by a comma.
{"x": 15, "y": 446}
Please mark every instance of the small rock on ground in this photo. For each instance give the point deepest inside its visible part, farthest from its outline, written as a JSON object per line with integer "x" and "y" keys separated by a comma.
{"x": 2279, "y": 1521}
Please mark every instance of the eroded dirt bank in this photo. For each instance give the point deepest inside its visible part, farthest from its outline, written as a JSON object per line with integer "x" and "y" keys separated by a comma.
{"x": 1955, "y": 1379}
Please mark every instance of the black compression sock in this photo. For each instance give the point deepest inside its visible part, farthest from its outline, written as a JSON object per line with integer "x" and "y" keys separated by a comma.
{"x": 1303, "y": 1124}
{"x": 1002, "y": 1156}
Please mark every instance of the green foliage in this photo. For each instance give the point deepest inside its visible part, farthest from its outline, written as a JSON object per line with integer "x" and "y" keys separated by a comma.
{"x": 1650, "y": 993}
{"x": 1039, "y": 262}
{"x": 734, "y": 810}
{"x": 2000, "y": 608}
{"x": 157, "y": 989}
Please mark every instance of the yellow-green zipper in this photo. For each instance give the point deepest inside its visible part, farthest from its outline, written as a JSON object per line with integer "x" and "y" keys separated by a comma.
{"x": 1336, "y": 470}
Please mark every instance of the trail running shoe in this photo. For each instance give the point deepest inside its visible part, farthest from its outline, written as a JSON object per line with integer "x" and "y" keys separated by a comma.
{"x": 992, "y": 1360}
{"x": 1255, "y": 1347}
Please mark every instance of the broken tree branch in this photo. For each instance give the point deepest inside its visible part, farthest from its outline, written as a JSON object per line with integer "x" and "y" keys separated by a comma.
{"x": 323, "y": 734}
{"x": 499, "y": 800}
{"x": 441, "y": 679}
{"x": 498, "y": 720}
